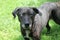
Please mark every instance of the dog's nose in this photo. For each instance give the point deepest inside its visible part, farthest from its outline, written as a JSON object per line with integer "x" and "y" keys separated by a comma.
{"x": 26, "y": 25}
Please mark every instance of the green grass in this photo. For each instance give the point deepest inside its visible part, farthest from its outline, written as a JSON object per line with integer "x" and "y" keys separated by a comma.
{"x": 10, "y": 28}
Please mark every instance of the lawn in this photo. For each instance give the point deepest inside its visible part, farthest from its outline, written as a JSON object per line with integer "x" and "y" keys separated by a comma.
{"x": 10, "y": 28}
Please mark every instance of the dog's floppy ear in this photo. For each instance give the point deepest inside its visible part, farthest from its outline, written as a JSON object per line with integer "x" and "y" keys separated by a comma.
{"x": 35, "y": 10}
{"x": 15, "y": 12}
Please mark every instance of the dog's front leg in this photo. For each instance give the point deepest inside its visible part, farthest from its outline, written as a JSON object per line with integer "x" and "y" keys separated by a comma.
{"x": 24, "y": 34}
{"x": 36, "y": 30}
{"x": 37, "y": 27}
{"x": 36, "y": 34}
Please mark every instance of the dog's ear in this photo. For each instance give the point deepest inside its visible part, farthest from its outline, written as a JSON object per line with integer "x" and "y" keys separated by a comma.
{"x": 35, "y": 10}
{"x": 15, "y": 12}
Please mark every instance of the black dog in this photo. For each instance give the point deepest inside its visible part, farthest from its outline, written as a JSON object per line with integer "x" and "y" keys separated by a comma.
{"x": 32, "y": 20}
{"x": 26, "y": 17}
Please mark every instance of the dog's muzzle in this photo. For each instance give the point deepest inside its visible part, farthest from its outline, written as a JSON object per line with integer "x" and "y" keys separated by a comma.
{"x": 26, "y": 26}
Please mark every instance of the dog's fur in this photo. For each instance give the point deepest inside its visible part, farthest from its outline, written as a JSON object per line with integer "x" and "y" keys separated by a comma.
{"x": 56, "y": 15}
{"x": 49, "y": 11}
{"x": 38, "y": 21}
{"x": 26, "y": 17}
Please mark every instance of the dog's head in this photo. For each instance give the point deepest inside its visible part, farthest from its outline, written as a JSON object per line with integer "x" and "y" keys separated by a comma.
{"x": 25, "y": 15}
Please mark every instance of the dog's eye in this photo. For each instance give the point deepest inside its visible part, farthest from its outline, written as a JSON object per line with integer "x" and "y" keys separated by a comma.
{"x": 30, "y": 14}
{"x": 23, "y": 14}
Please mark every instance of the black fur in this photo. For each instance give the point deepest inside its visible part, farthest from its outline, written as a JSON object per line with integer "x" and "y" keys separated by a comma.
{"x": 55, "y": 13}
{"x": 26, "y": 17}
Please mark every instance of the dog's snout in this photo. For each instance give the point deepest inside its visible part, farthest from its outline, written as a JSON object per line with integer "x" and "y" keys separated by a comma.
{"x": 26, "y": 25}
